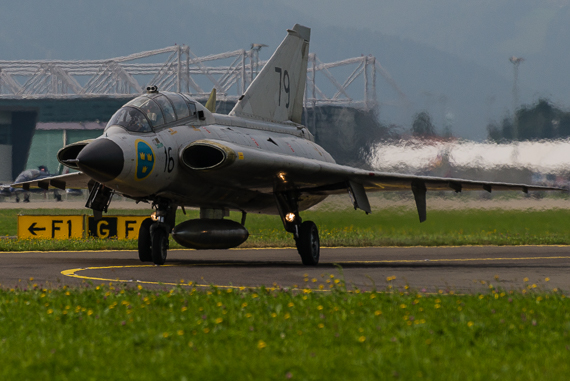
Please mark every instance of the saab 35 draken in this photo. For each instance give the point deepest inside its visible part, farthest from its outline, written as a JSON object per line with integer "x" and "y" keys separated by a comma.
{"x": 167, "y": 149}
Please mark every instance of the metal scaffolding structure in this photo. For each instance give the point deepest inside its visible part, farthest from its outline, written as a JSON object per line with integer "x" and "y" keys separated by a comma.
{"x": 230, "y": 73}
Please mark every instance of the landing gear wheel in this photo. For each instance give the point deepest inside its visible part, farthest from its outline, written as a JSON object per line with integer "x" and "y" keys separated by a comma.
{"x": 159, "y": 248}
{"x": 308, "y": 244}
{"x": 145, "y": 243}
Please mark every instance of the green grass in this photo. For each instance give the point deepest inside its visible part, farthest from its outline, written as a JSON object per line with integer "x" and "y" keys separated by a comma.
{"x": 400, "y": 227}
{"x": 387, "y": 227}
{"x": 108, "y": 332}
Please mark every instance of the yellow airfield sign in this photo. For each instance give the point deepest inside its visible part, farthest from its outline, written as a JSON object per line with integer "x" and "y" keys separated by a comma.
{"x": 121, "y": 227}
{"x": 65, "y": 227}
{"x": 51, "y": 227}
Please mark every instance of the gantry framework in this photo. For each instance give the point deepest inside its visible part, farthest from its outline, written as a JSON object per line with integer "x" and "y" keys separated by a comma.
{"x": 230, "y": 73}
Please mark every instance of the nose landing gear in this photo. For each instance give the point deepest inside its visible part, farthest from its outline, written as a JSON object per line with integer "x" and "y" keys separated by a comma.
{"x": 145, "y": 243}
{"x": 159, "y": 243}
{"x": 154, "y": 232}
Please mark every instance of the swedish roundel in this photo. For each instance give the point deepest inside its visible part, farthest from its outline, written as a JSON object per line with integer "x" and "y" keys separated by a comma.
{"x": 145, "y": 160}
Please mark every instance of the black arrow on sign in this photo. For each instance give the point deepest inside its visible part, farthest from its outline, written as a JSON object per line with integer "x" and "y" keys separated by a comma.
{"x": 32, "y": 229}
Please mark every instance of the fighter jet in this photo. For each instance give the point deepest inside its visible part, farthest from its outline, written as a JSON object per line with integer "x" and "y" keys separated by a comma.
{"x": 28, "y": 175}
{"x": 167, "y": 149}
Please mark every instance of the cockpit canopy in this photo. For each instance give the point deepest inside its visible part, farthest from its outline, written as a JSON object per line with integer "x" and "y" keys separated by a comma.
{"x": 151, "y": 111}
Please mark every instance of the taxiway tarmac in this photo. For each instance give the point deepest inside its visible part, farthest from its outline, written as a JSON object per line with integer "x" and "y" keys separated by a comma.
{"x": 462, "y": 269}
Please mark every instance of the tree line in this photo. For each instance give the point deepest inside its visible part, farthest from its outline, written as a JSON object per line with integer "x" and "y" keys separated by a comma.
{"x": 541, "y": 120}
{"x": 423, "y": 127}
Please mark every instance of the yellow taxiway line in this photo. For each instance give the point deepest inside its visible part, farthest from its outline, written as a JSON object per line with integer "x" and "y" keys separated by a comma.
{"x": 73, "y": 272}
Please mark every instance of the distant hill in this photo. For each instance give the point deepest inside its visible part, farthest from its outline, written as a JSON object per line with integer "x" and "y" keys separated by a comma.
{"x": 454, "y": 90}
{"x": 486, "y": 32}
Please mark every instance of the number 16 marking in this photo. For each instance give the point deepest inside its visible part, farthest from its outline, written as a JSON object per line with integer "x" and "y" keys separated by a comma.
{"x": 169, "y": 161}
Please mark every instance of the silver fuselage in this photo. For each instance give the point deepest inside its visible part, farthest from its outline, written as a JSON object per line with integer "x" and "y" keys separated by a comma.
{"x": 272, "y": 148}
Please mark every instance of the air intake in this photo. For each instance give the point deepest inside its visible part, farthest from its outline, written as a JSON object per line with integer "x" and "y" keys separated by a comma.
{"x": 68, "y": 154}
{"x": 202, "y": 156}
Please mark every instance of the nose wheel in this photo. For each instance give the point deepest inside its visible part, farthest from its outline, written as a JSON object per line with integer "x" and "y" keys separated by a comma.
{"x": 153, "y": 233}
{"x": 145, "y": 243}
{"x": 159, "y": 243}
{"x": 153, "y": 242}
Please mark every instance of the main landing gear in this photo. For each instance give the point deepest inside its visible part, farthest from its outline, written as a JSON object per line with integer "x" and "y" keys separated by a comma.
{"x": 154, "y": 232}
{"x": 305, "y": 233}
{"x": 308, "y": 244}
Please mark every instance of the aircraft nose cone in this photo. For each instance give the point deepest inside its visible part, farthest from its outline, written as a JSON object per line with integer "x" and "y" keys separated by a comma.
{"x": 101, "y": 160}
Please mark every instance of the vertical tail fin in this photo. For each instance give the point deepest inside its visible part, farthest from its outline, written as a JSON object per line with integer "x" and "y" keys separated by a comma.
{"x": 277, "y": 92}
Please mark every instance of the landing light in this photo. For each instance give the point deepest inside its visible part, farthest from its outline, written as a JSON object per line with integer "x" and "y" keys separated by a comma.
{"x": 281, "y": 175}
{"x": 290, "y": 217}
{"x": 153, "y": 216}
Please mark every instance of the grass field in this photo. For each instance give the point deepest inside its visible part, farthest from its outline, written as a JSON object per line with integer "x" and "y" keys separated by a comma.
{"x": 112, "y": 333}
{"x": 387, "y": 227}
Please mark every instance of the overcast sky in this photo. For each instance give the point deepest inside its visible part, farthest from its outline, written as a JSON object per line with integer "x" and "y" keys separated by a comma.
{"x": 485, "y": 31}
{"x": 429, "y": 46}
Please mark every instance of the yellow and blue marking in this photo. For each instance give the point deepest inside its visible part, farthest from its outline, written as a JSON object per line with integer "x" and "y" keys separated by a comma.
{"x": 145, "y": 160}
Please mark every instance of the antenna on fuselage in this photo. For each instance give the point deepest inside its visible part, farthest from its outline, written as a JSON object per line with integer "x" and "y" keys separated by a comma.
{"x": 211, "y": 104}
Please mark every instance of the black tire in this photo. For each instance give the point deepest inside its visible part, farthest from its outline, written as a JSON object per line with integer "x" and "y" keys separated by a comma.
{"x": 159, "y": 248}
{"x": 144, "y": 243}
{"x": 308, "y": 244}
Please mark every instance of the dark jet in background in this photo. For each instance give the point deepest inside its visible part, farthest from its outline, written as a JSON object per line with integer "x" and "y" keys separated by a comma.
{"x": 33, "y": 175}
